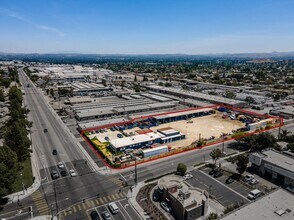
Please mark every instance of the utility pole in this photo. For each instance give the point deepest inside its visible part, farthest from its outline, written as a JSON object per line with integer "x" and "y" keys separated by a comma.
{"x": 223, "y": 146}
{"x": 136, "y": 174}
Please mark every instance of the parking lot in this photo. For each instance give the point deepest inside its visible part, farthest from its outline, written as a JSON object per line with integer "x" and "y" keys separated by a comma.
{"x": 224, "y": 194}
{"x": 126, "y": 212}
{"x": 236, "y": 186}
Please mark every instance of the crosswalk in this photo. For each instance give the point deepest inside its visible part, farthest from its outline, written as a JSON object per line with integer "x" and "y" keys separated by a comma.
{"x": 88, "y": 204}
{"x": 116, "y": 181}
{"x": 40, "y": 203}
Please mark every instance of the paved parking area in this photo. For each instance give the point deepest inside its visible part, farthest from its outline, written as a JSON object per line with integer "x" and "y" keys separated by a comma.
{"x": 222, "y": 193}
{"x": 126, "y": 212}
{"x": 236, "y": 186}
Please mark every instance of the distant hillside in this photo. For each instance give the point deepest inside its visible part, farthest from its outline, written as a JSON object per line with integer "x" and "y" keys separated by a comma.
{"x": 96, "y": 58}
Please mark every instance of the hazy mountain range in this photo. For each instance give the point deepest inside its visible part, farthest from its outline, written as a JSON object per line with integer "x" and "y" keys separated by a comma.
{"x": 86, "y": 58}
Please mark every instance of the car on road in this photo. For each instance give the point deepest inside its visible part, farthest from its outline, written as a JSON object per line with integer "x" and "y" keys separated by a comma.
{"x": 188, "y": 176}
{"x": 63, "y": 172}
{"x": 113, "y": 208}
{"x": 72, "y": 173}
{"x": 54, "y": 174}
{"x": 60, "y": 165}
{"x": 217, "y": 174}
{"x": 229, "y": 180}
{"x": 94, "y": 215}
{"x": 165, "y": 206}
{"x": 253, "y": 181}
{"x": 106, "y": 215}
{"x": 45, "y": 130}
{"x": 54, "y": 152}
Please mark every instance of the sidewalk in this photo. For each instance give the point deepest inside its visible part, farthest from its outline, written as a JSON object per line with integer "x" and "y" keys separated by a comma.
{"x": 132, "y": 194}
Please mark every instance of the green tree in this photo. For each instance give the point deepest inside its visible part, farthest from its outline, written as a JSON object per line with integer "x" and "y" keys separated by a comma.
{"x": 8, "y": 170}
{"x": 212, "y": 216}
{"x": 145, "y": 78}
{"x": 2, "y": 99}
{"x": 135, "y": 79}
{"x": 215, "y": 154}
{"x": 16, "y": 138}
{"x": 242, "y": 161}
{"x": 181, "y": 169}
{"x": 290, "y": 147}
{"x": 284, "y": 134}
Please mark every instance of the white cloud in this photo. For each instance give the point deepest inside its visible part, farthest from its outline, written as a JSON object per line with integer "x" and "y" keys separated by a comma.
{"x": 25, "y": 20}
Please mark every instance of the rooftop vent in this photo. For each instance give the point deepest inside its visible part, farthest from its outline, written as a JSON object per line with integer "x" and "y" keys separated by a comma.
{"x": 287, "y": 162}
{"x": 280, "y": 212}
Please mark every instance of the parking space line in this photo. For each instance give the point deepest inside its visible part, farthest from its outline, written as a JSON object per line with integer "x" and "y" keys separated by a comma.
{"x": 224, "y": 185}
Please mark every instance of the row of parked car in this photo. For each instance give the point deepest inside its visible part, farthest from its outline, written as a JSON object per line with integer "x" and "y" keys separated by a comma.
{"x": 105, "y": 214}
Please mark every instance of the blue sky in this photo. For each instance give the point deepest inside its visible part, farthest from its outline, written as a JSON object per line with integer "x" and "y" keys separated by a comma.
{"x": 146, "y": 26}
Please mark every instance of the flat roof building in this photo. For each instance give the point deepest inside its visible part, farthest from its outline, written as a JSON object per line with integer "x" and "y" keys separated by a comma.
{"x": 278, "y": 205}
{"x": 197, "y": 96}
{"x": 188, "y": 203}
{"x": 274, "y": 164}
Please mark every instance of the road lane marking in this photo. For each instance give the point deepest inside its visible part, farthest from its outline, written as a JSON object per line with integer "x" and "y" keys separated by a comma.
{"x": 96, "y": 201}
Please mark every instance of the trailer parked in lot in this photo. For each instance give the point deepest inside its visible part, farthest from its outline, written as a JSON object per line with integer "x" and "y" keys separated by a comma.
{"x": 155, "y": 151}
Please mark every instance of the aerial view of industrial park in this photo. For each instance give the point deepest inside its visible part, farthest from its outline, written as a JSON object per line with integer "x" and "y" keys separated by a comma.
{"x": 140, "y": 110}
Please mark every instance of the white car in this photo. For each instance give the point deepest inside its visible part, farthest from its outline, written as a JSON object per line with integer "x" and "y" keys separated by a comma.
{"x": 188, "y": 176}
{"x": 60, "y": 165}
{"x": 72, "y": 173}
{"x": 253, "y": 181}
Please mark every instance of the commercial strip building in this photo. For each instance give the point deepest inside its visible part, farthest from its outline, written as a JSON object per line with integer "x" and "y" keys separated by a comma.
{"x": 82, "y": 89}
{"x": 278, "y": 166}
{"x": 197, "y": 96}
{"x": 188, "y": 203}
{"x": 278, "y": 205}
{"x": 97, "y": 113}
